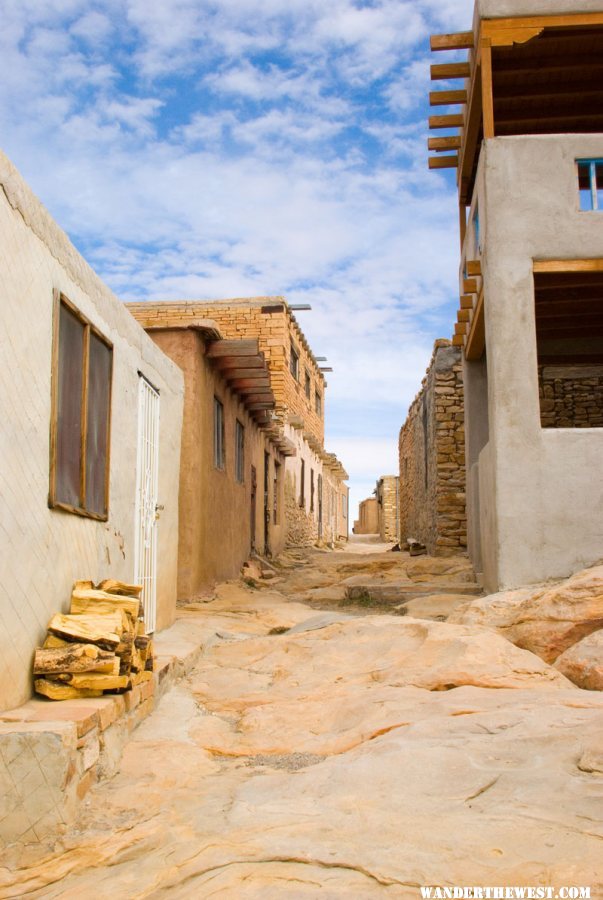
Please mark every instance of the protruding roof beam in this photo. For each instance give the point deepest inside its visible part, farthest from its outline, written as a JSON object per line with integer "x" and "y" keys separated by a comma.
{"x": 446, "y": 98}
{"x": 443, "y": 162}
{"x": 452, "y": 121}
{"x": 444, "y": 143}
{"x": 461, "y": 40}
{"x": 450, "y": 70}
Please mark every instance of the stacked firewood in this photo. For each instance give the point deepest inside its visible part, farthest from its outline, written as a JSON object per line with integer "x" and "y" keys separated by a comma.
{"x": 100, "y": 647}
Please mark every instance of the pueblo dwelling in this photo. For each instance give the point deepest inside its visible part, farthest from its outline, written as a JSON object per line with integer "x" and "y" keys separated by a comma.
{"x": 526, "y": 142}
{"x": 368, "y": 517}
{"x": 92, "y": 413}
{"x": 289, "y": 490}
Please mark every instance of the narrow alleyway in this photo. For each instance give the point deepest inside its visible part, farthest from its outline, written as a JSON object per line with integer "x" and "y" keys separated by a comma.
{"x": 328, "y": 745}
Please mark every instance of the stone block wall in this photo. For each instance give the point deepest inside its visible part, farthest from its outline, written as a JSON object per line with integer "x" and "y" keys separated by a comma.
{"x": 432, "y": 458}
{"x": 388, "y": 505}
{"x": 571, "y": 396}
{"x": 368, "y": 517}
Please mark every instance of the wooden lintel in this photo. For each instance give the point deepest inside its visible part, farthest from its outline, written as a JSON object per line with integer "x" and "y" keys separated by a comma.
{"x": 444, "y": 143}
{"x": 446, "y": 98}
{"x": 463, "y": 315}
{"x": 466, "y": 301}
{"x": 473, "y": 267}
{"x": 443, "y": 162}
{"x": 568, "y": 265}
{"x": 452, "y": 121}
{"x": 505, "y": 32}
{"x": 469, "y": 286}
{"x": 461, "y": 40}
{"x": 450, "y": 70}
{"x": 476, "y": 339}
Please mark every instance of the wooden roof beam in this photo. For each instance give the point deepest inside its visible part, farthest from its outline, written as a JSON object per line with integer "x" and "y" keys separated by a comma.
{"x": 443, "y": 162}
{"x": 223, "y": 363}
{"x": 444, "y": 143}
{"x": 451, "y": 121}
{"x": 460, "y": 40}
{"x": 245, "y": 371}
{"x": 466, "y": 301}
{"x": 447, "y": 98}
{"x": 232, "y": 348}
{"x": 476, "y": 338}
{"x": 450, "y": 70}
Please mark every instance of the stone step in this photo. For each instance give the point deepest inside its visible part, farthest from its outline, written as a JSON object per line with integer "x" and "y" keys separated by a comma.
{"x": 400, "y": 592}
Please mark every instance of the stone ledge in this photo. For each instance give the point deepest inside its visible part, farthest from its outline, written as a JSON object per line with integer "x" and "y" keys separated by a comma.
{"x": 53, "y": 752}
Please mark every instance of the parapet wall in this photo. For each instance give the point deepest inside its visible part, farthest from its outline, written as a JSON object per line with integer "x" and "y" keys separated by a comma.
{"x": 432, "y": 459}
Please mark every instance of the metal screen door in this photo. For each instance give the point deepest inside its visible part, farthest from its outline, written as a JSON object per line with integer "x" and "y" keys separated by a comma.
{"x": 147, "y": 476}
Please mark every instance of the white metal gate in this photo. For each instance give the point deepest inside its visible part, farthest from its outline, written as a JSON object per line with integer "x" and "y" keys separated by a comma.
{"x": 147, "y": 476}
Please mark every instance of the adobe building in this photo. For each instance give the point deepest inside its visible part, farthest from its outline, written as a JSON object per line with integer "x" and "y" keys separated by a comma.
{"x": 315, "y": 493}
{"x": 528, "y": 157}
{"x": 387, "y": 493}
{"x": 232, "y": 461}
{"x": 91, "y": 422}
{"x": 432, "y": 459}
{"x": 368, "y": 517}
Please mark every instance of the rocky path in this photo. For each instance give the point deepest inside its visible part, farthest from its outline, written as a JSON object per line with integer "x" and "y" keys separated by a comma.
{"x": 347, "y": 753}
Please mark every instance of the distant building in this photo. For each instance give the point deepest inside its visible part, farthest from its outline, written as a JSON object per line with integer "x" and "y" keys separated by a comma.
{"x": 315, "y": 493}
{"x": 91, "y": 419}
{"x": 368, "y": 517}
{"x": 387, "y": 492}
{"x": 529, "y": 161}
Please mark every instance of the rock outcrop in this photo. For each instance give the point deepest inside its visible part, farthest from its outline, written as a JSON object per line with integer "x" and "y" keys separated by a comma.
{"x": 546, "y": 619}
{"x": 582, "y": 663}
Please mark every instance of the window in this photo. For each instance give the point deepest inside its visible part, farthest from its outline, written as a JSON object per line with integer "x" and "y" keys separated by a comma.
{"x": 81, "y": 415}
{"x": 343, "y": 506}
{"x": 302, "y": 490}
{"x": 590, "y": 184}
{"x": 311, "y": 490}
{"x": 308, "y": 386}
{"x": 294, "y": 363}
{"x": 219, "y": 448}
{"x": 318, "y": 404}
{"x": 239, "y": 452}
{"x": 276, "y": 488}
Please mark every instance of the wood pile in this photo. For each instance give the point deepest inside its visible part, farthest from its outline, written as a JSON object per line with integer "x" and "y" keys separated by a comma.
{"x": 99, "y": 647}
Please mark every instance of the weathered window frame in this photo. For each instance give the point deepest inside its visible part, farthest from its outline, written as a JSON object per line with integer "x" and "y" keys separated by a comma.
{"x": 219, "y": 436}
{"x": 59, "y": 301}
{"x": 596, "y": 202}
{"x": 239, "y": 452}
{"x": 294, "y": 361}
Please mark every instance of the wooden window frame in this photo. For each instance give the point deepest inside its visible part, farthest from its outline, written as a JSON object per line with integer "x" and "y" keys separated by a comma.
{"x": 59, "y": 299}
{"x": 239, "y": 452}
{"x": 592, "y": 163}
{"x": 294, "y": 362}
{"x": 219, "y": 437}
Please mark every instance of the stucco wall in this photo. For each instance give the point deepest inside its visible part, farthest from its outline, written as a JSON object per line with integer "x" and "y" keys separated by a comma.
{"x": 432, "y": 458}
{"x": 302, "y": 520}
{"x": 541, "y": 490}
{"x": 43, "y": 550}
{"x": 493, "y": 9}
{"x": 215, "y": 508}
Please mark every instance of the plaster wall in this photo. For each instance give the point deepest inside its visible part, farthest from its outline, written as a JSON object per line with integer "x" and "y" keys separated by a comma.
{"x": 541, "y": 490}
{"x": 368, "y": 517}
{"x": 215, "y": 508}
{"x": 302, "y": 518}
{"x": 494, "y": 9}
{"x": 44, "y": 550}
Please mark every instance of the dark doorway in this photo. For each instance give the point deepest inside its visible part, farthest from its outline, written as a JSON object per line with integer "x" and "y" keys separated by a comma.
{"x": 266, "y": 504}
{"x": 254, "y": 490}
{"x": 319, "y": 507}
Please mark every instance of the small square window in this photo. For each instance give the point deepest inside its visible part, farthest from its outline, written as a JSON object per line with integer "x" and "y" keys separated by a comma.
{"x": 590, "y": 184}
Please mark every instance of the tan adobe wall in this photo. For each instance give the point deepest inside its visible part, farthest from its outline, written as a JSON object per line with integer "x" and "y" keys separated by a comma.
{"x": 368, "y": 517}
{"x": 388, "y": 507}
{"x": 215, "y": 508}
{"x": 571, "y": 396}
{"x": 44, "y": 551}
{"x": 269, "y": 320}
{"x": 432, "y": 459}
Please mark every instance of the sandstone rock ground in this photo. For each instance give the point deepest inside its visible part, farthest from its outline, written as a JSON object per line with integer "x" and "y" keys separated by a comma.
{"x": 340, "y": 754}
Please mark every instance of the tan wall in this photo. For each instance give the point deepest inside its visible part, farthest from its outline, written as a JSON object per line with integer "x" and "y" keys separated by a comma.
{"x": 215, "y": 509}
{"x": 368, "y": 517}
{"x": 432, "y": 459}
{"x": 388, "y": 507}
{"x": 43, "y": 550}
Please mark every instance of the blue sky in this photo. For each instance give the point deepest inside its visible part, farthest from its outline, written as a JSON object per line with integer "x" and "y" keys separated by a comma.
{"x": 220, "y": 148}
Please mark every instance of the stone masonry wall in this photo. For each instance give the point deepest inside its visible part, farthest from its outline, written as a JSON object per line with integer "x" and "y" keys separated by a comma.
{"x": 387, "y": 495}
{"x": 432, "y": 458}
{"x": 571, "y": 396}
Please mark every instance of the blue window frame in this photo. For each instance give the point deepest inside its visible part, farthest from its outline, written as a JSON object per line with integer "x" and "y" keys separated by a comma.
{"x": 590, "y": 184}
